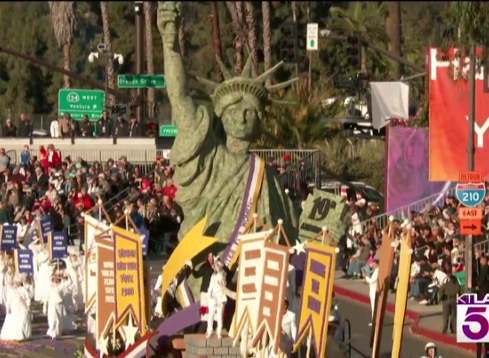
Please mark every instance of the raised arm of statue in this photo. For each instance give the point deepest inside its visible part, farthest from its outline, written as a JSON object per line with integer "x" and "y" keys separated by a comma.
{"x": 183, "y": 108}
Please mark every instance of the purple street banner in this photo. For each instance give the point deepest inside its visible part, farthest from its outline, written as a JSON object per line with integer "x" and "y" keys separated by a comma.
{"x": 129, "y": 278}
{"x": 45, "y": 228}
{"x": 8, "y": 237}
{"x": 317, "y": 294}
{"x": 24, "y": 262}
{"x": 408, "y": 168}
{"x": 58, "y": 245}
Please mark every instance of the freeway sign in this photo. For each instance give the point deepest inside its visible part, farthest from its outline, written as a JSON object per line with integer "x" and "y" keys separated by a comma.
{"x": 141, "y": 81}
{"x": 470, "y": 194}
{"x": 78, "y": 102}
{"x": 168, "y": 131}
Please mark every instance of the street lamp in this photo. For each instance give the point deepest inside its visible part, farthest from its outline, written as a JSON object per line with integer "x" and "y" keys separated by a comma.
{"x": 102, "y": 48}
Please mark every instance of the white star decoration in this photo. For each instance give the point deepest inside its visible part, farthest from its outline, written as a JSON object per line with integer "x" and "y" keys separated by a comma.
{"x": 102, "y": 346}
{"x": 297, "y": 248}
{"x": 130, "y": 332}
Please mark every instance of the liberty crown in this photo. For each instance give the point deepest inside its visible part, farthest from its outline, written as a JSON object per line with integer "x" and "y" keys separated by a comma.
{"x": 245, "y": 83}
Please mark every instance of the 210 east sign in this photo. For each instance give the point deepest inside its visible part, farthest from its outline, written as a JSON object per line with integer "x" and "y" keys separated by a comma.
{"x": 449, "y": 107}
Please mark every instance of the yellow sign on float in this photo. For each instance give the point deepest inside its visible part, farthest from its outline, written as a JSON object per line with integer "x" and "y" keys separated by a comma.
{"x": 317, "y": 295}
{"x": 129, "y": 278}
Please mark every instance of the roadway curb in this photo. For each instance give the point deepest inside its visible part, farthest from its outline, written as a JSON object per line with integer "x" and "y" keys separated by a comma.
{"x": 413, "y": 316}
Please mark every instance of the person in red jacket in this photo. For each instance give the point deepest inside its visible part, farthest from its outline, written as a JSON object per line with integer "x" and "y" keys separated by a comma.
{"x": 43, "y": 158}
{"x": 53, "y": 157}
{"x": 169, "y": 189}
{"x": 84, "y": 199}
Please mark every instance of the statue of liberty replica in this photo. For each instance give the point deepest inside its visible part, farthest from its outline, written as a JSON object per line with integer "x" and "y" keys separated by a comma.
{"x": 215, "y": 174}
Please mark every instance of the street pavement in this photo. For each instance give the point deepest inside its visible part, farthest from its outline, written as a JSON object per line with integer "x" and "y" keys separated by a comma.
{"x": 412, "y": 346}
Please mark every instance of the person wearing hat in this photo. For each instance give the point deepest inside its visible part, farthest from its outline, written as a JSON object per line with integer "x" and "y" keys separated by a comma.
{"x": 430, "y": 350}
{"x": 44, "y": 274}
{"x": 17, "y": 324}
{"x": 216, "y": 298}
{"x": 53, "y": 306}
{"x": 69, "y": 320}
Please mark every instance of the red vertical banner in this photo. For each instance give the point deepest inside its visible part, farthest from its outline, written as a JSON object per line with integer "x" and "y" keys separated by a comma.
{"x": 449, "y": 110}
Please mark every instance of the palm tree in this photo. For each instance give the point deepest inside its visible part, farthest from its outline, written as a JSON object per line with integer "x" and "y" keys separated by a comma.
{"x": 267, "y": 37}
{"x": 235, "y": 9}
{"x": 109, "y": 64}
{"x": 250, "y": 23}
{"x": 216, "y": 38}
{"x": 361, "y": 19}
{"x": 393, "y": 31}
{"x": 150, "y": 67}
{"x": 63, "y": 21}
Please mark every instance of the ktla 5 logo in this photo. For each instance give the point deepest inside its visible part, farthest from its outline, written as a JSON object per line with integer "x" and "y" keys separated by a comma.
{"x": 472, "y": 318}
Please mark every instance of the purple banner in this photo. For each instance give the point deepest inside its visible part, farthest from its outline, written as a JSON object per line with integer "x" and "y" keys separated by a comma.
{"x": 407, "y": 168}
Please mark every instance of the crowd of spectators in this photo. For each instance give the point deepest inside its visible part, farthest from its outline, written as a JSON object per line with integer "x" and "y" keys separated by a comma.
{"x": 66, "y": 127}
{"x": 438, "y": 262}
{"x": 63, "y": 189}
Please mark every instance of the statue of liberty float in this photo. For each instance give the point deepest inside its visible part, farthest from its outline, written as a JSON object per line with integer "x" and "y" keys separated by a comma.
{"x": 240, "y": 226}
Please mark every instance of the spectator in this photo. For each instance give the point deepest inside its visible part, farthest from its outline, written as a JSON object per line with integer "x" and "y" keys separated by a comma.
{"x": 25, "y": 127}
{"x": 4, "y": 160}
{"x": 54, "y": 129}
{"x": 25, "y": 156}
{"x": 120, "y": 127}
{"x": 358, "y": 260}
{"x": 86, "y": 127}
{"x": 420, "y": 282}
{"x": 482, "y": 281}
{"x": 134, "y": 129}
{"x": 9, "y": 129}
{"x": 64, "y": 127}
{"x": 170, "y": 189}
{"x": 104, "y": 125}
{"x": 54, "y": 161}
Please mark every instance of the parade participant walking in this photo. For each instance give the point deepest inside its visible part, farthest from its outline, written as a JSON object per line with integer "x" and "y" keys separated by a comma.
{"x": 17, "y": 324}
{"x": 289, "y": 331}
{"x": 372, "y": 284}
{"x": 68, "y": 304}
{"x": 54, "y": 308}
{"x": 216, "y": 298}
{"x": 43, "y": 277}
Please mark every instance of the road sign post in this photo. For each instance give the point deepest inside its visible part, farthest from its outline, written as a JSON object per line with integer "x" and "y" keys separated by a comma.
{"x": 312, "y": 37}
{"x": 78, "y": 103}
{"x": 141, "y": 81}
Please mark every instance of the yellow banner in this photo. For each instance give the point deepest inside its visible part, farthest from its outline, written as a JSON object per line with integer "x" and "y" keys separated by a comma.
{"x": 129, "y": 278}
{"x": 401, "y": 294}
{"x": 190, "y": 246}
{"x": 317, "y": 293}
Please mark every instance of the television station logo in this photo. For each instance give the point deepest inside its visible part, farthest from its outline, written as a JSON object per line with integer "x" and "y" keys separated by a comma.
{"x": 472, "y": 319}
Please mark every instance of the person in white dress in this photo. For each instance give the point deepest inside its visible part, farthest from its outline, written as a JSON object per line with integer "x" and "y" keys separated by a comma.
{"x": 43, "y": 277}
{"x": 69, "y": 321}
{"x": 3, "y": 273}
{"x": 289, "y": 331}
{"x": 28, "y": 285}
{"x": 372, "y": 285}
{"x": 216, "y": 298}
{"x": 72, "y": 265}
{"x": 54, "y": 308}
{"x": 17, "y": 324}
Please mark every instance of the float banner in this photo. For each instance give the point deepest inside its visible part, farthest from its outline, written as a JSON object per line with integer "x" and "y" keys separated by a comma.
{"x": 8, "y": 237}
{"x": 323, "y": 209}
{"x": 272, "y": 297}
{"x": 129, "y": 278}
{"x": 402, "y": 292}
{"x": 190, "y": 246}
{"x": 408, "y": 169}
{"x": 93, "y": 228}
{"x": 248, "y": 289}
{"x": 24, "y": 262}
{"x": 45, "y": 228}
{"x": 317, "y": 294}
{"x": 105, "y": 289}
{"x": 144, "y": 234}
{"x": 385, "y": 269}
{"x": 449, "y": 110}
{"x": 59, "y": 245}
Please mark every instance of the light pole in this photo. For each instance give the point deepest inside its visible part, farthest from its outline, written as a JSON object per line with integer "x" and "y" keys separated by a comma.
{"x": 138, "y": 9}
{"x": 102, "y": 49}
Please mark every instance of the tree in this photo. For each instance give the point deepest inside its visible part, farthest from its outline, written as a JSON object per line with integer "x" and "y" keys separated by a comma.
{"x": 216, "y": 38}
{"x": 150, "y": 68}
{"x": 235, "y": 9}
{"x": 250, "y": 23}
{"x": 109, "y": 64}
{"x": 393, "y": 30}
{"x": 362, "y": 19}
{"x": 63, "y": 21}
{"x": 267, "y": 37}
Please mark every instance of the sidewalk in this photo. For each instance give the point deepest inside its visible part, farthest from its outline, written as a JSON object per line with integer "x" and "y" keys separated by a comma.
{"x": 426, "y": 321}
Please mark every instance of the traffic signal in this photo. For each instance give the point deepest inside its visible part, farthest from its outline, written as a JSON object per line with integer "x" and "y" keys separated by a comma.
{"x": 289, "y": 44}
{"x": 354, "y": 51}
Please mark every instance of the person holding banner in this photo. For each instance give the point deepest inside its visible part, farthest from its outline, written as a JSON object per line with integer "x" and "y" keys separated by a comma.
{"x": 68, "y": 304}
{"x": 54, "y": 308}
{"x": 17, "y": 324}
{"x": 44, "y": 274}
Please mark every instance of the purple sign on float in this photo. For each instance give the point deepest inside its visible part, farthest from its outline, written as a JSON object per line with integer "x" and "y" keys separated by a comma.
{"x": 407, "y": 169}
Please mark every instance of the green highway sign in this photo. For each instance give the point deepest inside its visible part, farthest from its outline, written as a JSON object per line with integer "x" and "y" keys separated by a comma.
{"x": 78, "y": 102}
{"x": 141, "y": 81}
{"x": 168, "y": 131}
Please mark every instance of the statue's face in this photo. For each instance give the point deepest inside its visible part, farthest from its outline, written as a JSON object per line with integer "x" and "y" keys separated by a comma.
{"x": 241, "y": 119}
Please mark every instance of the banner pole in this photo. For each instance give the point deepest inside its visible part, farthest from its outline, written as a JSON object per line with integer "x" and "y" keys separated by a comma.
{"x": 470, "y": 157}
